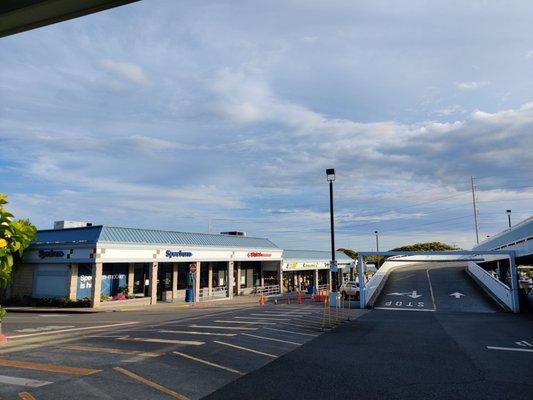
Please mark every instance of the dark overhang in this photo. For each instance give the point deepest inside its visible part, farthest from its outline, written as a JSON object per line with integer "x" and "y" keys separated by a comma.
{"x": 22, "y": 15}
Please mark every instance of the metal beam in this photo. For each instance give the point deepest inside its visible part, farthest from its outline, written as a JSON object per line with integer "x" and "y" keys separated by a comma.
{"x": 22, "y": 15}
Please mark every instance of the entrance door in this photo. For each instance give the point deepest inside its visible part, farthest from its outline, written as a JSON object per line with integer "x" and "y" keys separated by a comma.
{"x": 164, "y": 279}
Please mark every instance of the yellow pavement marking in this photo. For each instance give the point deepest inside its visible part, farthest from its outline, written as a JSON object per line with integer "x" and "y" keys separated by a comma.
{"x": 208, "y": 363}
{"x": 153, "y": 385}
{"x": 272, "y": 339}
{"x": 26, "y": 396}
{"x": 245, "y": 349}
{"x": 108, "y": 350}
{"x": 4, "y": 362}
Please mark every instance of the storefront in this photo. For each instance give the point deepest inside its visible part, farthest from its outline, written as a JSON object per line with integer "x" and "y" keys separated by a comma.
{"x": 104, "y": 263}
{"x": 303, "y": 269}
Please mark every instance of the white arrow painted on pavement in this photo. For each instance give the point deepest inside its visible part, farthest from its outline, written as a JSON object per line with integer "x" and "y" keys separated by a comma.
{"x": 414, "y": 295}
{"x": 457, "y": 295}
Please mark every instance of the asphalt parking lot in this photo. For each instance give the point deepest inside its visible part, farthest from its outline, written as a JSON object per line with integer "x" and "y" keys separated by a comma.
{"x": 186, "y": 357}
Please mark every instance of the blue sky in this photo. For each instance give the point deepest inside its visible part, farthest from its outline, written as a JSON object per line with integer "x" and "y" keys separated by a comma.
{"x": 224, "y": 115}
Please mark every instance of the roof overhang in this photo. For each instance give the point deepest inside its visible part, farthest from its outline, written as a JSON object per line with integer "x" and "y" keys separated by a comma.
{"x": 22, "y": 15}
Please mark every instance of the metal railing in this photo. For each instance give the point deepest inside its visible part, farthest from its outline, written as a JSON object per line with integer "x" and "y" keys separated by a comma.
{"x": 267, "y": 290}
{"x": 215, "y": 293}
{"x": 322, "y": 288}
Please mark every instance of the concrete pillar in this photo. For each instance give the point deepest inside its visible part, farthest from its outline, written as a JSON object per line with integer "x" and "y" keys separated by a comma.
{"x": 131, "y": 277}
{"x": 262, "y": 277}
{"x": 174, "y": 280}
{"x": 230, "y": 279}
{"x": 96, "y": 284}
{"x": 197, "y": 283}
{"x": 329, "y": 280}
{"x": 295, "y": 281}
{"x": 238, "y": 282}
{"x": 153, "y": 282}
{"x": 280, "y": 277}
{"x": 210, "y": 278}
{"x": 316, "y": 278}
{"x": 73, "y": 282}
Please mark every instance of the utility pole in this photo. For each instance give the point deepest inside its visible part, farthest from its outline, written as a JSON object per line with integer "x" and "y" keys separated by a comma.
{"x": 475, "y": 208}
{"x": 377, "y": 248}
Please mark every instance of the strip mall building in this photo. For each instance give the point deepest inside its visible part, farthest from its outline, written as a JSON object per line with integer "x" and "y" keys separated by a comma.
{"x": 97, "y": 262}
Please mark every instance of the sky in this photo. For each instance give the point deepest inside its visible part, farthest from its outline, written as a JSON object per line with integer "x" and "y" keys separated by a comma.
{"x": 223, "y": 115}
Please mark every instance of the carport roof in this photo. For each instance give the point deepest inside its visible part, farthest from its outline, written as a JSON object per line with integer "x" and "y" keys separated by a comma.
{"x": 112, "y": 234}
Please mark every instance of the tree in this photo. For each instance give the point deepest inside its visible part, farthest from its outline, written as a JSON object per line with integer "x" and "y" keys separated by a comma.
{"x": 429, "y": 246}
{"x": 15, "y": 237}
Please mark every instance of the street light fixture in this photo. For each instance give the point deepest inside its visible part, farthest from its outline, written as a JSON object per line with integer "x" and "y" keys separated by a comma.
{"x": 509, "y": 217}
{"x": 330, "y": 176}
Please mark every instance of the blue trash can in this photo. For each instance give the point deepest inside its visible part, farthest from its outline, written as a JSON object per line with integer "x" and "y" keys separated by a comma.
{"x": 189, "y": 297}
{"x": 310, "y": 289}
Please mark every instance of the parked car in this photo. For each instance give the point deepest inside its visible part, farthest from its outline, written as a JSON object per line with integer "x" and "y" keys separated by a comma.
{"x": 350, "y": 289}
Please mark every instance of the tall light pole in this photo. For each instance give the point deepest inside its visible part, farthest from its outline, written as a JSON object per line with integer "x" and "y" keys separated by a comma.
{"x": 509, "y": 217}
{"x": 377, "y": 248}
{"x": 330, "y": 175}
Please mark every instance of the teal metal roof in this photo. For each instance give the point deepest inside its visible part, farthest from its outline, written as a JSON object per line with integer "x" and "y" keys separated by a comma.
{"x": 112, "y": 234}
{"x": 314, "y": 255}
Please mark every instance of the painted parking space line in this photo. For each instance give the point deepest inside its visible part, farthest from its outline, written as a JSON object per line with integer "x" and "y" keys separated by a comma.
{"x": 156, "y": 340}
{"x": 245, "y": 349}
{"x": 95, "y": 349}
{"x": 272, "y": 339}
{"x": 431, "y": 290}
{"x": 26, "y": 396}
{"x": 245, "y": 322}
{"x": 313, "y": 325}
{"x": 509, "y": 349}
{"x": 263, "y": 318}
{"x": 403, "y": 309}
{"x": 197, "y": 333}
{"x": 4, "y": 362}
{"x": 208, "y": 363}
{"x": 11, "y": 380}
{"x": 13, "y": 337}
{"x": 237, "y": 328}
{"x": 293, "y": 332}
{"x": 151, "y": 384}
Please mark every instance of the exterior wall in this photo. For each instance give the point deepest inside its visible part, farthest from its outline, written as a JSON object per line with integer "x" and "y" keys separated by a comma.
{"x": 22, "y": 280}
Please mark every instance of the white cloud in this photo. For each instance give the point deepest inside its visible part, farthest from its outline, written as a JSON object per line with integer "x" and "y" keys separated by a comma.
{"x": 529, "y": 54}
{"x": 472, "y": 85}
{"x": 126, "y": 70}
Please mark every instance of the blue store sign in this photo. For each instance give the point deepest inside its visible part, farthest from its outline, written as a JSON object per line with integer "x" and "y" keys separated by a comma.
{"x": 172, "y": 254}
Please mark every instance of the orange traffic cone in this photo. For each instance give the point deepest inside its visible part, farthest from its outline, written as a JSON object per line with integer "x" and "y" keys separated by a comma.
{"x": 261, "y": 300}
{"x": 299, "y": 298}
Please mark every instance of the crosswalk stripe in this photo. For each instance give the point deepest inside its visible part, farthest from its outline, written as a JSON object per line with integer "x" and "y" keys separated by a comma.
{"x": 208, "y": 363}
{"x": 11, "y": 380}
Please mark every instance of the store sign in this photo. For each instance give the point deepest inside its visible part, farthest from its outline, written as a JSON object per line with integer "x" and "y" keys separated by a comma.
{"x": 258, "y": 254}
{"x": 310, "y": 265}
{"x": 172, "y": 254}
{"x": 51, "y": 253}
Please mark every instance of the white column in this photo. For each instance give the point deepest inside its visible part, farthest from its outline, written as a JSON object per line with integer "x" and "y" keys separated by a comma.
{"x": 329, "y": 280}
{"x": 73, "y": 282}
{"x": 174, "y": 280}
{"x": 131, "y": 277}
{"x": 280, "y": 276}
{"x": 316, "y": 279}
{"x": 153, "y": 282}
{"x": 230, "y": 279}
{"x": 262, "y": 279}
{"x": 96, "y": 284}
{"x": 210, "y": 278}
{"x": 238, "y": 282}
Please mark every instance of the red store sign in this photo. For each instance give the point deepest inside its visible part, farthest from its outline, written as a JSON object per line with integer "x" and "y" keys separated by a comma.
{"x": 258, "y": 254}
